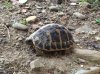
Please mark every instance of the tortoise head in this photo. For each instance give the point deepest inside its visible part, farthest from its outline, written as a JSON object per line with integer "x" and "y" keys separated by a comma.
{"x": 28, "y": 41}
{"x": 32, "y": 40}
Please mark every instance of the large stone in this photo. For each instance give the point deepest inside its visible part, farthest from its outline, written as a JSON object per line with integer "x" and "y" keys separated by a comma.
{"x": 36, "y": 64}
{"x": 19, "y": 26}
{"x": 57, "y": 64}
{"x": 91, "y": 70}
{"x": 90, "y": 55}
{"x": 85, "y": 29}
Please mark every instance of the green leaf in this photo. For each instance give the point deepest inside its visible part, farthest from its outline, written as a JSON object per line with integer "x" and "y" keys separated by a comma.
{"x": 98, "y": 21}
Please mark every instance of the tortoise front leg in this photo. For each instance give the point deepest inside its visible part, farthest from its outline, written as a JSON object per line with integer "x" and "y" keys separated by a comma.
{"x": 39, "y": 52}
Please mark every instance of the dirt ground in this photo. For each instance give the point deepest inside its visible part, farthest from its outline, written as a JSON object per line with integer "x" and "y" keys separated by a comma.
{"x": 16, "y": 55}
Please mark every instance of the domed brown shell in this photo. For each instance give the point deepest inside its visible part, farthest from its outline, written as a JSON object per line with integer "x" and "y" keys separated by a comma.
{"x": 52, "y": 37}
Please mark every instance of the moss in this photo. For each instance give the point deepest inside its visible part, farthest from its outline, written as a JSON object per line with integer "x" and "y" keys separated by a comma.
{"x": 23, "y": 21}
{"x": 94, "y": 3}
{"x": 7, "y": 4}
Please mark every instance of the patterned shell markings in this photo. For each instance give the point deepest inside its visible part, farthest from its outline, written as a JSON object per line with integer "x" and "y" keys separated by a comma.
{"x": 52, "y": 37}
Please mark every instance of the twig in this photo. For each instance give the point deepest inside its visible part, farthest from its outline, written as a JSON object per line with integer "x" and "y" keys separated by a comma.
{"x": 7, "y": 31}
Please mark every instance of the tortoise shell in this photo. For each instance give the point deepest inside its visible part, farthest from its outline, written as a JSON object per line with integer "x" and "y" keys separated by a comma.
{"x": 52, "y": 37}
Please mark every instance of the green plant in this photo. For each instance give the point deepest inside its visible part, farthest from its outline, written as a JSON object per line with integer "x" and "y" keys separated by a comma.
{"x": 83, "y": 0}
{"x": 7, "y": 4}
{"x": 23, "y": 21}
{"x": 93, "y": 2}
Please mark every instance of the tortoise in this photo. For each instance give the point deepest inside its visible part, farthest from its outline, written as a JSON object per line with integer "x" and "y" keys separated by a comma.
{"x": 51, "y": 38}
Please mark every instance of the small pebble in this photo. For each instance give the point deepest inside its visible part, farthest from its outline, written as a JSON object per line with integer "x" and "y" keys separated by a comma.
{"x": 38, "y": 7}
{"x": 22, "y": 1}
{"x": 73, "y": 4}
{"x": 97, "y": 38}
{"x": 17, "y": 44}
{"x": 81, "y": 66}
{"x": 20, "y": 39}
{"x": 74, "y": 1}
{"x": 24, "y": 10}
{"x": 79, "y": 15}
{"x": 31, "y": 19}
{"x": 60, "y": 13}
{"x": 54, "y": 8}
{"x": 35, "y": 27}
{"x": 82, "y": 60}
{"x": 43, "y": 11}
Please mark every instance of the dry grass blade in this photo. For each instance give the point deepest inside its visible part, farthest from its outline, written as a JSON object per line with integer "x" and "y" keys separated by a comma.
{"x": 8, "y": 32}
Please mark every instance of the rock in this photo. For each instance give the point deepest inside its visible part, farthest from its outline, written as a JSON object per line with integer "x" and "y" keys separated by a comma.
{"x": 36, "y": 64}
{"x": 40, "y": 24}
{"x": 84, "y": 29}
{"x": 97, "y": 38}
{"x": 24, "y": 10}
{"x": 54, "y": 8}
{"x": 91, "y": 70}
{"x": 80, "y": 72}
{"x": 21, "y": 73}
{"x": 90, "y": 55}
{"x": 70, "y": 28}
{"x": 22, "y": 1}
{"x": 81, "y": 60}
{"x": 56, "y": 1}
{"x": 35, "y": 26}
{"x": 60, "y": 14}
{"x": 2, "y": 60}
{"x": 17, "y": 44}
{"x": 73, "y": 4}
{"x": 19, "y": 26}
{"x": 1, "y": 39}
{"x": 18, "y": 2}
{"x": 76, "y": 39}
{"x": 79, "y": 15}
{"x": 31, "y": 19}
{"x": 43, "y": 11}
{"x": 20, "y": 39}
{"x": 58, "y": 72}
{"x": 38, "y": 7}
{"x": 74, "y": 1}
